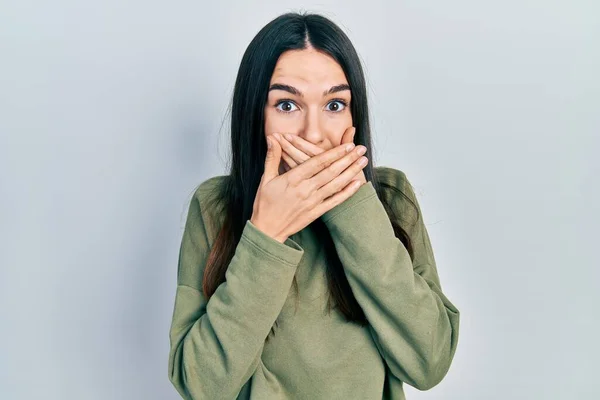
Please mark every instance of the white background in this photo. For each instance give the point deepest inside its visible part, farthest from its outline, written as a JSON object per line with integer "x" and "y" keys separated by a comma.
{"x": 111, "y": 113}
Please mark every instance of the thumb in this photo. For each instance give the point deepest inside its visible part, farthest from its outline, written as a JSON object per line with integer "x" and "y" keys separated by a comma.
{"x": 348, "y": 136}
{"x": 273, "y": 159}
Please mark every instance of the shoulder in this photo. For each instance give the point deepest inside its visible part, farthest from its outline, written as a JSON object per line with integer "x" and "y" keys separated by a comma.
{"x": 389, "y": 176}
{"x": 397, "y": 191}
{"x": 210, "y": 188}
{"x": 207, "y": 202}
{"x": 393, "y": 181}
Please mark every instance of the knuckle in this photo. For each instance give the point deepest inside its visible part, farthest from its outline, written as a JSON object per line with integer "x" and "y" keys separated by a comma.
{"x": 341, "y": 185}
{"x": 318, "y": 197}
{"x": 336, "y": 167}
{"x": 323, "y": 163}
{"x": 304, "y": 191}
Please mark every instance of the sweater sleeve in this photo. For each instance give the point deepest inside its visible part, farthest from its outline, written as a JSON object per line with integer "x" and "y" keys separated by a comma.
{"x": 413, "y": 324}
{"x": 216, "y": 345}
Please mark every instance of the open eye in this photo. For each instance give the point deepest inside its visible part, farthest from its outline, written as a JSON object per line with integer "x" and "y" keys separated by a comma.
{"x": 286, "y": 106}
{"x": 336, "y": 106}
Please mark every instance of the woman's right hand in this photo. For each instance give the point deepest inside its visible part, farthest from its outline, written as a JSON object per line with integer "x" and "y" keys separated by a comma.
{"x": 287, "y": 203}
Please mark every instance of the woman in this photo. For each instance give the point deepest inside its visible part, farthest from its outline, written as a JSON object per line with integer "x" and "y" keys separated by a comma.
{"x": 304, "y": 274}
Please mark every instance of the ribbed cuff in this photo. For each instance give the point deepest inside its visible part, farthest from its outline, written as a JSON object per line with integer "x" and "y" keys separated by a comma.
{"x": 289, "y": 252}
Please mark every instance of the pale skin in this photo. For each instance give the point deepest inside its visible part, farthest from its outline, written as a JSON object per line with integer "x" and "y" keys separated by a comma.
{"x": 318, "y": 167}
{"x": 308, "y": 108}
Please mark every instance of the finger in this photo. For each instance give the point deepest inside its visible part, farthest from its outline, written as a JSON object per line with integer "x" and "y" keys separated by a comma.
{"x": 316, "y": 164}
{"x": 337, "y": 198}
{"x": 337, "y": 168}
{"x": 296, "y": 154}
{"x": 348, "y": 174}
{"x": 348, "y": 136}
{"x": 272, "y": 159}
{"x": 289, "y": 161}
{"x": 304, "y": 145}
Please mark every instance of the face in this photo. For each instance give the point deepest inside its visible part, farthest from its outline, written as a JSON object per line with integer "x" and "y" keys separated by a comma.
{"x": 308, "y": 96}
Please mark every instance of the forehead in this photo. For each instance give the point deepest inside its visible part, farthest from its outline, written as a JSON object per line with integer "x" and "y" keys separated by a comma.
{"x": 308, "y": 67}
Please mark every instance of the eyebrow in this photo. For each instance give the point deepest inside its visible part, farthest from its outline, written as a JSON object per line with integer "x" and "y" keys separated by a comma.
{"x": 294, "y": 91}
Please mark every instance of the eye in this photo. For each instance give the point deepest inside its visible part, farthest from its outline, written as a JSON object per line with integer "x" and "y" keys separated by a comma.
{"x": 336, "y": 106}
{"x": 285, "y": 106}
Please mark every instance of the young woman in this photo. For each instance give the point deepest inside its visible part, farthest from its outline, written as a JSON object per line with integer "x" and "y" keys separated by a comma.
{"x": 304, "y": 273}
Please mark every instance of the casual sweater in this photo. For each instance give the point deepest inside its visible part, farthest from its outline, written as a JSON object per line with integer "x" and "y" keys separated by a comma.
{"x": 218, "y": 348}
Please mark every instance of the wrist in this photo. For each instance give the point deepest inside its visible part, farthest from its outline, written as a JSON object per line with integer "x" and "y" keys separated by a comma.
{"x": 266, "y": 231}
{"x": 281, "y": 239}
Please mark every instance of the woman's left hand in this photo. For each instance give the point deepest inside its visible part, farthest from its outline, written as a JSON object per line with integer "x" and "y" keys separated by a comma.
{"x": 296, "y": 150}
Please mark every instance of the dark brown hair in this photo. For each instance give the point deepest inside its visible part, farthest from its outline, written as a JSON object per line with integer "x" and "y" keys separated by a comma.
{"x": 235, "y": 198}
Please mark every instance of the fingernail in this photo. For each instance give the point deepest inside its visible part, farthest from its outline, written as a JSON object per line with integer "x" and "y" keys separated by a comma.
{"x": 361, "y": 150}
{"x": 288, "y": 136}
{"x": 277, "y": 136}
{"x": 349, "y": 146}
{"x": 268, "y": 142}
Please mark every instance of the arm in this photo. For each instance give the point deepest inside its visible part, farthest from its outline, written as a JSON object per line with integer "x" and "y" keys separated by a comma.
{"x": 413, "y": 324}
{"x": 215, "y": 346}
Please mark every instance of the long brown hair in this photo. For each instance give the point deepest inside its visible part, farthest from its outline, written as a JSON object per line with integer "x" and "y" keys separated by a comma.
{"x": 235, "y": 197}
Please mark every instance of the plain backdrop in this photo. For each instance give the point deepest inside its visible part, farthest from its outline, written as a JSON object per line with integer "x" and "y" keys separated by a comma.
{"x": 112, "y": 112}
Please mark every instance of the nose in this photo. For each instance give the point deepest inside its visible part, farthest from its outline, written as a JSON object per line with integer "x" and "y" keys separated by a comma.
{"x": 313, "y": 128}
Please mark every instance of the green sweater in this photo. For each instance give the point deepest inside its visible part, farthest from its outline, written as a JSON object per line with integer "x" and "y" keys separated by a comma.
{"x": 218, "y": 348}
